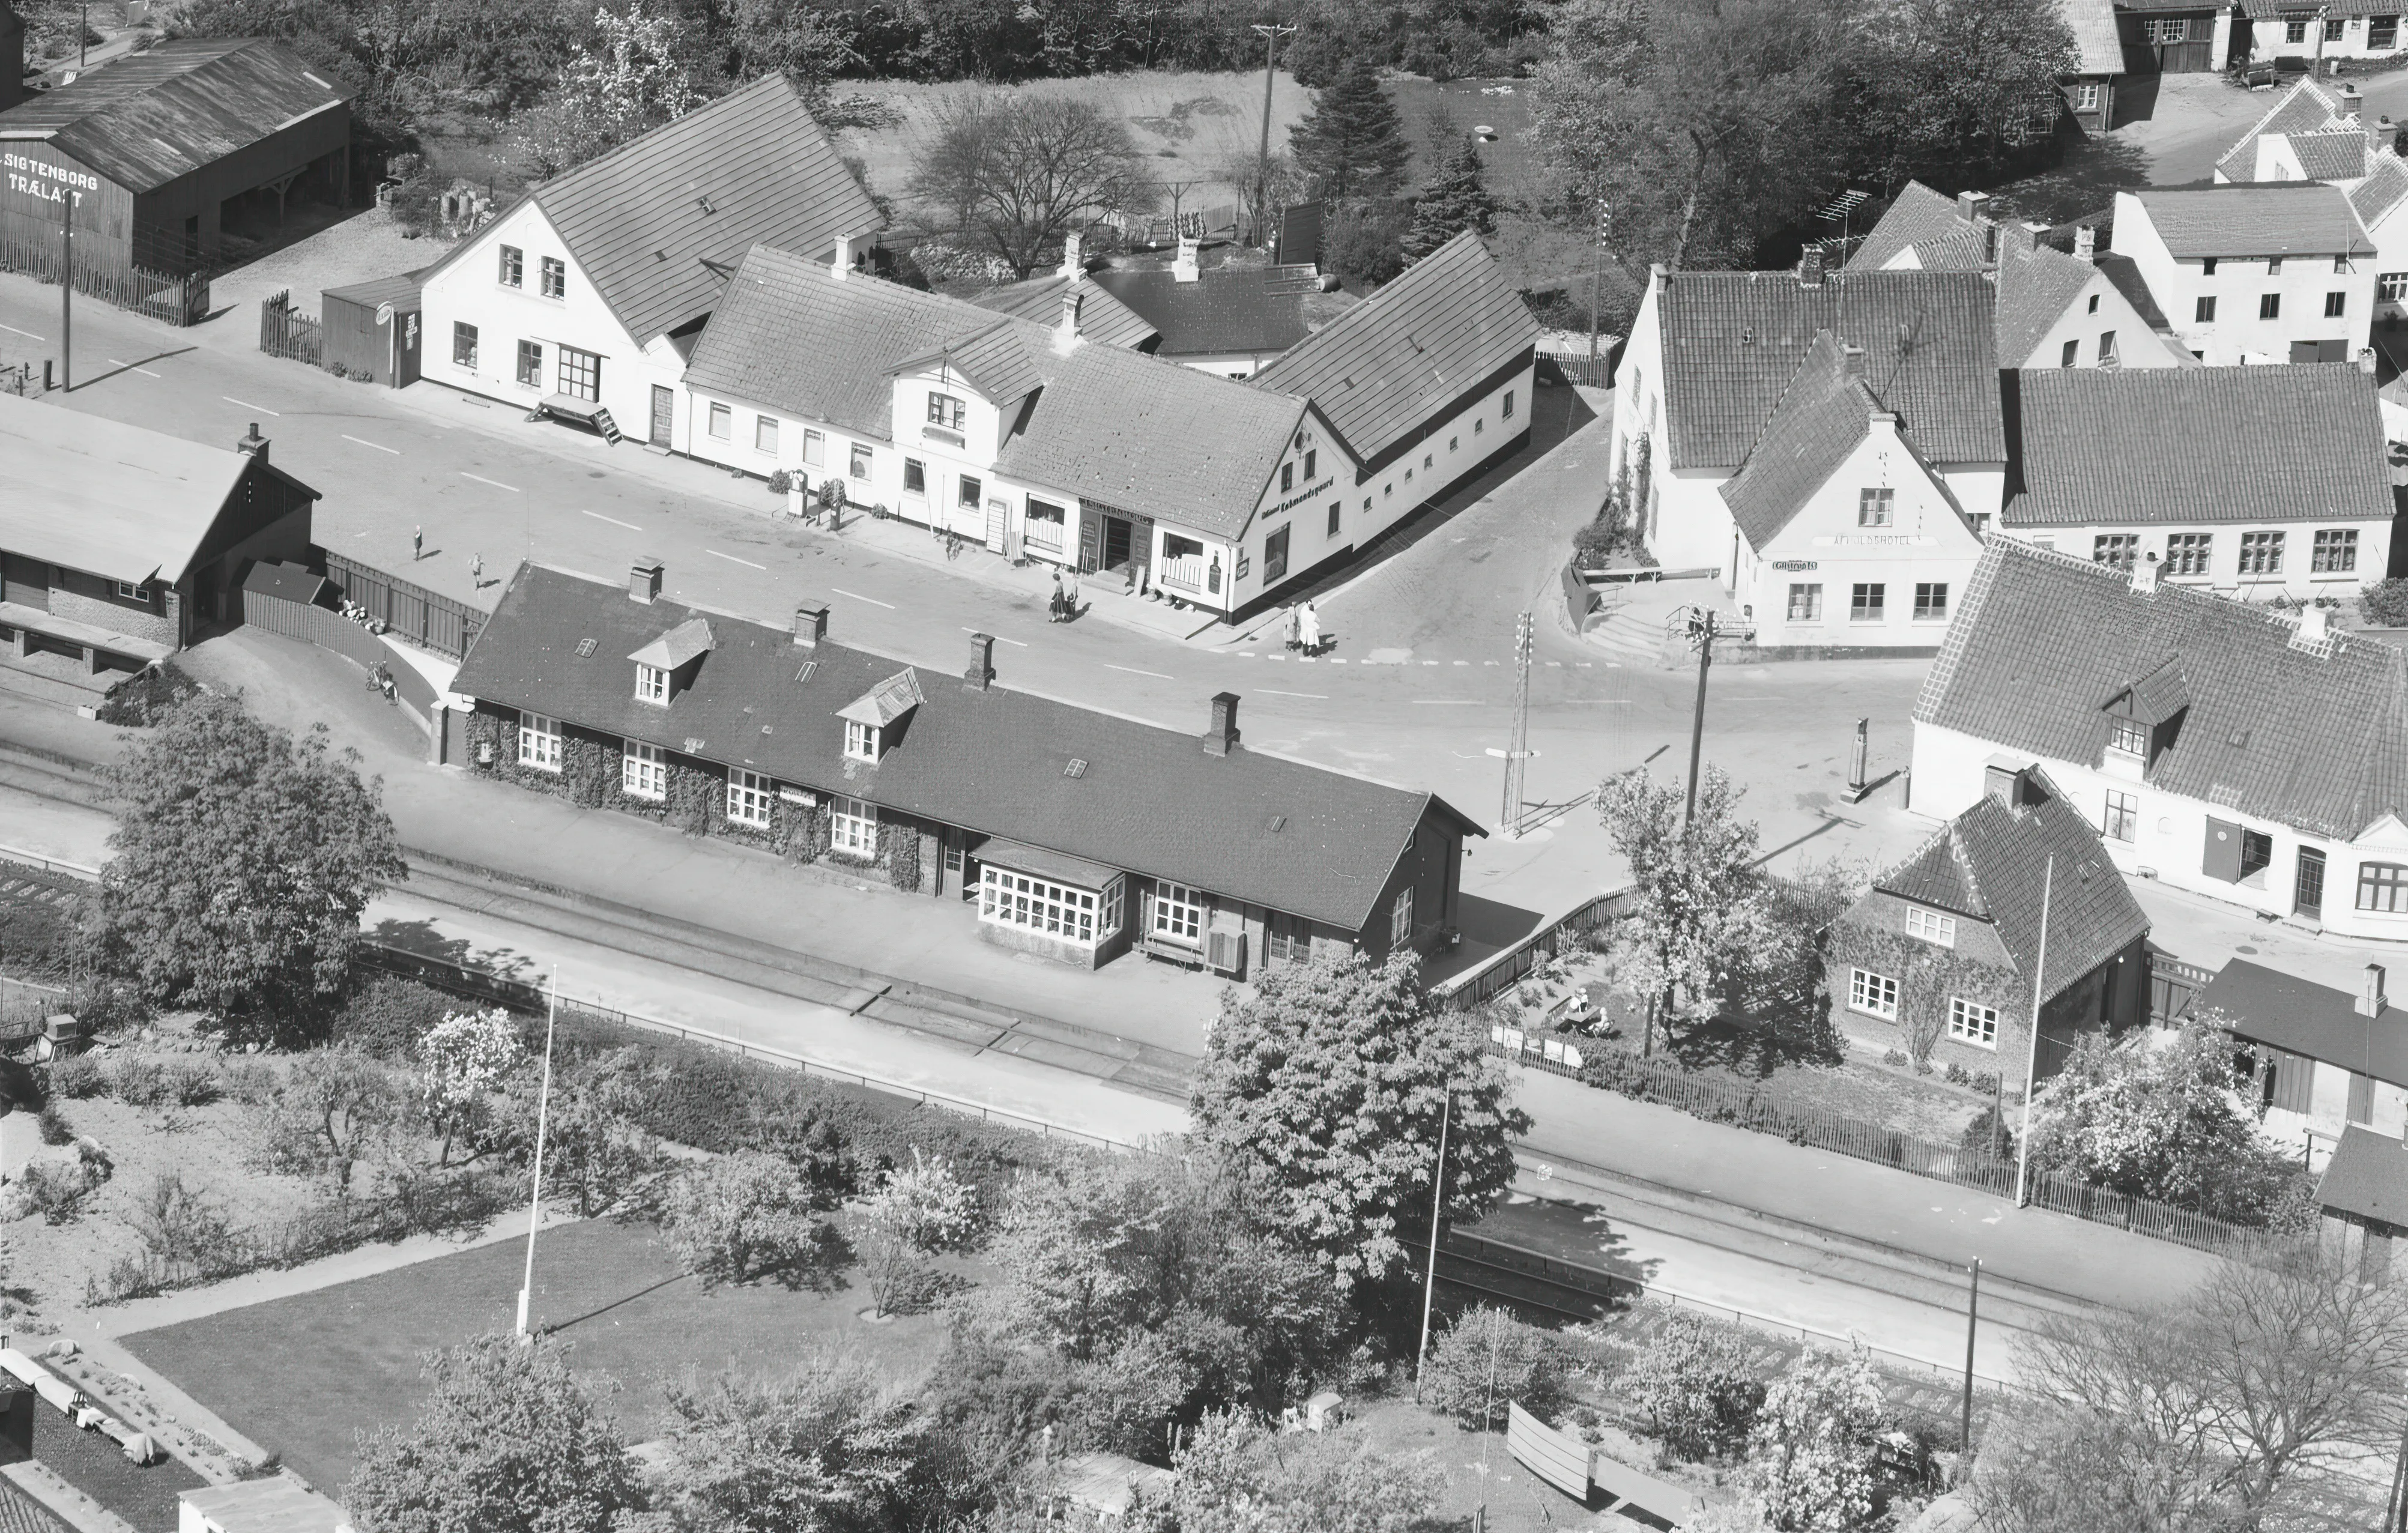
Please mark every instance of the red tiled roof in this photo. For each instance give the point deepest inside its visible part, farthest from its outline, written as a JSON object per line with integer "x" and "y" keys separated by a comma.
{"x": 1101, "y": 317}
{"x": 2312, "y": 737}
{"x": 2266, "y": 218}
{"x": 1930, "y": 224}
{"x": 1818, "y": 422}
{"x": 2035, "y": 289}
{"x": 2304, "y": 109}
{"x": 1224, "y": 311}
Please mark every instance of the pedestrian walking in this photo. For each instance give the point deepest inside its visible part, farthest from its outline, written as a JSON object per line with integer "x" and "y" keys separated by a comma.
{"x": 477, "y": 570}
{"x": 1071, "y": 609}
{"x": 1053, "y": 608}
{"x": 1294, "y": 628}
{"x": 417, "y": 544}
{"x": 1309, "y": 629}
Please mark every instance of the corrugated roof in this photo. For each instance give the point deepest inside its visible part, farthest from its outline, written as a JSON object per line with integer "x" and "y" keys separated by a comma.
{"x": 2035, "y": 289}
{"x": 2302, "y": 1017}
{"x": 1382, "y": 370}
{"x": 145, "y": 119}
{"x": 2368, "y": 1176}
{"x": 1150, "y": 800}
{"x": 1223, "y": 310}
{"x": 1818, "y": 422}
{"x": 113, "y": 500}
{"x": 1101, "y": 317}
{"x": 788, "y": 333}
{"x": 1929, "y": 223}
{"x": 1153, "y": 438}
{"x": 2318, "y": 741}
{"x": 649, "y": 220}
{"x": 2274, "y": 218}
{"x": 2095, "y": 36}
{"x": 2142, "y": 446}
{"x": 1733, "y": 340}
{"x": 1991, "y": 862}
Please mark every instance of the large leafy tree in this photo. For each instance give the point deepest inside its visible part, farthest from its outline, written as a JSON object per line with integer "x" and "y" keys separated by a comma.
{"x": 631, "y": 79}
{"x": 1326, "y": 1087}
{"x": 1236, "y": 1475}
{"x": 1352, "y": 139}
{"x": 1699, "y": 903}
{"x": 825, "y": 1450}
{"x": 1017, "y": 173}
{"x": 243, "y": 859}
{"x": 1952, "y": 90}
{"x": 507, "y": 1441}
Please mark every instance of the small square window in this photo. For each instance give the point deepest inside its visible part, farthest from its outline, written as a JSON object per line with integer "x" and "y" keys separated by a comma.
{"x": 2203, "y": 310}
{"x": 1867, "y": 602}
{"x": 1931, "y": 601}
{"x": 555, "y": 277}
{"x": 1805, "y": 603}
{"x": 530, "y": 364}
{"x": 722, "y": 421}
{"x": 652, "y": 684}
{"x": 764, "y": 434}
{"x": 1877, "y": 508}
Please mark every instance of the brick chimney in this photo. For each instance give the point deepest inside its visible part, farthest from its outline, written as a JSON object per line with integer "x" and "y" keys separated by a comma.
{"x": 2016, "y": 241}
{"x": 1074, "y": 255}
{"x": 2351, "y": 101}
{"x": 252, "y": 442}
{"x": 2085, "y": 243}
{"x": 811, "y": 624}
{"x": 2371, "y": 999}
{"x": 1852, "y": 361}
{"x": 644, "y": 579}
{"x": 1810, "y": 266}
{"x": 1065, "y": 334}
{"x": 1973, "y": 207}
{"x": 843, "y": 267}
{"x": 1222, "y": 738}
{"x": 1183, "y": 267}
{"x": 2004, "y": 783}
{"x": 982, "y": 669}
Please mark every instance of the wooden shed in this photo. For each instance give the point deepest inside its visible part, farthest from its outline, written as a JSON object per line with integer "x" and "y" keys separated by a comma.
{"x": 373, "y": 329}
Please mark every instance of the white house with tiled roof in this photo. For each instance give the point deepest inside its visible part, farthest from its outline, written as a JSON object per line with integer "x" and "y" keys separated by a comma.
{"x": 2314, "y": 133}
{"x": 2256, "y": 482}
{"x": 2332, "y": 29}
{"x": 2254, "y": 273}
{"x": 2220, "y": 747}
{"x": 587, "y": 294}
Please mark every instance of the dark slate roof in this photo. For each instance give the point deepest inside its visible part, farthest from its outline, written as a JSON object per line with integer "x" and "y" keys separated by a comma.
{"x": 1101, "y": 316}
{"x": 1732, "y": 340}
{"x": 2182, "y": 444}
{"x": 2314, "y": 741}
{"x": 1382, "y": 370}
{"x": 2304, "y": 109}
{"x": 1150, "y": 800}
{"x": 636, "y": 218}
{"x": 2035, "y": 289}
{"x": 146, "y": 118}
{"x": 2269, "y": 218}
{"x": 1928, "y": 223}
{"x": 2368, "y": 1176}
{"x": 1222, "y": 310}
{"x": 2375, "y": 197}
{"x": 1991, "y": 863}
{"x": 401, "y": 290}
{"x": 1153, "y": 438}
{"x": 1818, "y": 422}
{"x": 2318, "y": 1021}
{"x": 789, "y": 333}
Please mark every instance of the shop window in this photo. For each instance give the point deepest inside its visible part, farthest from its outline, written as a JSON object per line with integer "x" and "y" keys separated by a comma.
{"x": 580, "y": 374}
{"x": 1084, "y": 916}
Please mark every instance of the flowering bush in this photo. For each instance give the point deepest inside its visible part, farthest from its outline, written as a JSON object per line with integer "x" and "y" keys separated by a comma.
{"x": 462, "y": 1061}
{"x": 1811, "y": 1456}
{"x": 915, "y": 1211}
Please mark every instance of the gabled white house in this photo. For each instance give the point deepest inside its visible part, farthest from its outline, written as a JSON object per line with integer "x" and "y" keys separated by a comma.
{"x": 587, "y": 294}
{"x": 2312, "y": 134}
{"x": 2220, "y": 746}
{"x": 1713, "y": 357}
{"x": 2254, "y": 273}
{"x": 2061, "y": 310}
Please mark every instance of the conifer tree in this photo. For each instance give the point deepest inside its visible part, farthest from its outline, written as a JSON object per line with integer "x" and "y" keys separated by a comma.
{"x": 1455, "y": 200}
{"x": 1351, "y": 138}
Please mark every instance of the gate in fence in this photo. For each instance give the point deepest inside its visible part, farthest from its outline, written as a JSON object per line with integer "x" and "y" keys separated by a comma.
{"x": 424, "y": 617}
{"x": 284, "y": 331}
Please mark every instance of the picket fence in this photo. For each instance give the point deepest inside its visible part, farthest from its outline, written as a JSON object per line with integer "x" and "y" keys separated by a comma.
{"x": 178, "y": 300}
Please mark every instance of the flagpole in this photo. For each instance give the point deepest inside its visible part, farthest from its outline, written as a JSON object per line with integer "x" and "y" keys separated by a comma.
{"x": 1429, "y": 1277}
{"x": 542, "y": 1111}
{"x": 2032, "y": 1064}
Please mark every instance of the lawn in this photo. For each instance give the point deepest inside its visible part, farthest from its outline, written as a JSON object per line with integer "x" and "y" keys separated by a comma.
{"x": 302, "y": 1375}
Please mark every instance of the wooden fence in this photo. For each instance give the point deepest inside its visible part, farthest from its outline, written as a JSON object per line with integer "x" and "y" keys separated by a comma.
{"x": 424, "y": 617}
{"x": 1509, "y": 965}
{"x": 1748, "y": 1103}
{"x": 178, "y": 300}
{"x": 1577, "y": 368}
{"x": 284, "y": 331}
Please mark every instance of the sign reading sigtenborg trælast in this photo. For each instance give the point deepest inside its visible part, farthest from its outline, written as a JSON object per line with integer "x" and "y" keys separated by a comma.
{"x": 46, "y": 182}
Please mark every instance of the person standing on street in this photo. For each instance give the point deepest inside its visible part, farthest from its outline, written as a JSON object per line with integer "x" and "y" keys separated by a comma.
{"x": 477, "y": 571}
{"x": 417, "y": 544}
{"x": 1309, "y": 629}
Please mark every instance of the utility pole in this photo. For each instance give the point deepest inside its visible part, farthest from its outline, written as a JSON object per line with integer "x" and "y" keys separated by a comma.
{"x": 1597, "y": 275}
{"x": 2032, "y": 1064}
{"x": 66, "y": 293}
{"x": 542, "y": 1109}
{"x": 1509, "y": 816}
{"x": 1973, "y": 1318}
{"x": 1438, "y": 1202}
{"x": 1271, "y": 33}
{"x": 84, "y": 30}
{"x": 1699, "y": 626}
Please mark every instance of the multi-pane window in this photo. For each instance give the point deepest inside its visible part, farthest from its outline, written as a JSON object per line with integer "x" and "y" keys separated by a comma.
{"x": 915, "y": 477}
{"x": 538, "y": 742}
{"x": 2203, "y": 310}
{"x": 652, "y": 684}
{"x": 860, "y": 741}
{"x": 555, "y": 277}
{"x": 1877, "y": 508}
{"x": 2336, "y": 552}
{"x": 1867, "y": 602}
{"x": 2334, "y": 304}
{"x": 1009, "y": 899}
{"x": 1805, "y": 603}
{"x": 2383, "y": 32}
{"x": 644, "y": 771}
{"x": 2107, "y": 348}
{"x": 2122, "y": 817}
{"x": 2130, "y": 735}
{"x": 1179, "y": 913}
{"x": 513, "y": 266}
{"x": 2170, "y": 30}
{"x": 1875, "y": 994}
{"x": 2085, "y": 96}
{"x": 2118, "y": 549}
{"x": 1969, "y": 1022}
{"x": 764, "y": 434}
{"x": 945, "y": 410}
{"x": 2392, "y": 287}
{"x": 463, "y": 344}
{"x": 2270, "y": 306}
{"x": 531, "y": 363}
{"x": 968, "y": 490}
{"x": 722, "y": 421}
{"x": 580, "y": 374}
{"x": 815, "y": 448}
{"x": 1932, "y": 926}
{"x": 860, "y": 461}
{"x": 853, "y": 827}
{"x": 2261, "y": 553}
{"x": 1931, "y": 601}
{"x": 2383, "y": 886}
{"x": 1400, "y": 919}
{"x": 134, "y": 591}
{"x": 2186, "y": 552}
{"x": 748, "y": 797}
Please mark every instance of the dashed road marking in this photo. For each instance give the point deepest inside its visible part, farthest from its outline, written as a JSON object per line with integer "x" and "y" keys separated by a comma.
{"x": 732, "y": 560}
{"x": 1316, "y": 697}
{"x": 614, "y": 521}
{"x": 858, "y": 596}
{"x": 131, "y": 368}
{"x": 14, "y": 331}
{"x": 1447, "y": 702}
{"x": 262, "y": 409}
{"x": 1134, "y": 671}
{"x": 997, "y": 637}
{"x": 483, "y": 479}
{"x": 365, "y": 442}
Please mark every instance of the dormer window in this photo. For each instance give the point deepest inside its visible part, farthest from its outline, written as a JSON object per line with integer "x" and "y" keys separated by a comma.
{"x": 652, "y": 684}
{"x": 873, "y": 722}
{"x": 670, "y": 661}
{"x": 861, "y": 741}
{"x": 2130, "y": 735}
{"x": 945, "y": 410}
{"x": 1932, "y": 926}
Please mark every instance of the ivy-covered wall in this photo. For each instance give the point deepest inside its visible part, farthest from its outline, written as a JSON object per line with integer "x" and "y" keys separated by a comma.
{"x": 1927, "y": 977}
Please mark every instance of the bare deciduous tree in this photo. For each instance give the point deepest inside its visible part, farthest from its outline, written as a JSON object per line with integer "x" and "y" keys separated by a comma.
{"x": 1018, "y": 173}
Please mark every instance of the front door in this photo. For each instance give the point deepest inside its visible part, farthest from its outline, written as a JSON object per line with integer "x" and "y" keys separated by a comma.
{"x": 664, "y": 415}
{"x": 2308, "y": 889}
{"x": 1116, "y": 542}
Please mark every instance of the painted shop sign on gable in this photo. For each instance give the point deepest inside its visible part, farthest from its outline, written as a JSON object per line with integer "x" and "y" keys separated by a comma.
{"x": 46, "y": 182}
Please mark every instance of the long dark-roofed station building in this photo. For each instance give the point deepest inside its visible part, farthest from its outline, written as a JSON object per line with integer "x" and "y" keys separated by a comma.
{"x": 156, "y": 152}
